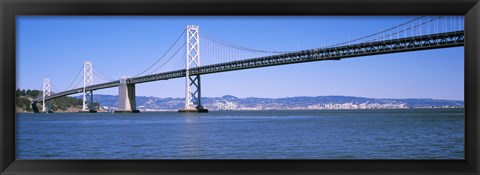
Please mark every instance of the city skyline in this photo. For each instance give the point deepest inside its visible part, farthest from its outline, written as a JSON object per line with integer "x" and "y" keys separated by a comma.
{"x": 112, "y": 43}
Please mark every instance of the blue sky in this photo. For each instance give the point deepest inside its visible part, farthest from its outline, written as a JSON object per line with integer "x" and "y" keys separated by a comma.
{"x": 55, "y": 47}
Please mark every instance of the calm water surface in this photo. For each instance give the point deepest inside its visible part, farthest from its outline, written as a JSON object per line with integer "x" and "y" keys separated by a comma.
{"x": 326, "y": 134}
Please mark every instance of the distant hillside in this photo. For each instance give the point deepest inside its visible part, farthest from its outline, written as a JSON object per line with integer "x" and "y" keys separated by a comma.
{"x": 253, "y": 103}
{"x": 23, "y": 99}
{"x": 23, "y": 102}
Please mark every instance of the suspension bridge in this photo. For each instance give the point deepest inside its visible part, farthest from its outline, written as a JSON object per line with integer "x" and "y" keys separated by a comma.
{"x": 420, "y": 33}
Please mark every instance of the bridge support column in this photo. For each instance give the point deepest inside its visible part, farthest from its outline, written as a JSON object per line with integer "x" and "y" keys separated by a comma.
{"x": 126, "y": 98}
{"x": 48, "y": 106}
{"x": 34, "y": 106}
{"x": 88, "y": 102}
{"x": 192, "y": 83}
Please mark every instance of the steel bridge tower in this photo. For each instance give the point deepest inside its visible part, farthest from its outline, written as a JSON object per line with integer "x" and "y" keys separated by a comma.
{"x": 192, "y": 82}
{"x": 87, "y": 81}
{"x": 46, "y": 93}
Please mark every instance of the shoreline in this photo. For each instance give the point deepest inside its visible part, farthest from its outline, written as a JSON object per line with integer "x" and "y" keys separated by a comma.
{"x": 62, "y": 112}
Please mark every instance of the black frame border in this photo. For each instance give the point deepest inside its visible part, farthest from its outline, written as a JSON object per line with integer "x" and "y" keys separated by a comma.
{"x": 10, "y": 8}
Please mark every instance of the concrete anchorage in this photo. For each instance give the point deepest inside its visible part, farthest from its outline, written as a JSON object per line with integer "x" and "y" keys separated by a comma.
{"x": 126, "y": 97}
{"x": 192, "y": 83}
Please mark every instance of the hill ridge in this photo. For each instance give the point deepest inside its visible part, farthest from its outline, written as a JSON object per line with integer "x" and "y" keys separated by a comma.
{"x": 230, "y": 102}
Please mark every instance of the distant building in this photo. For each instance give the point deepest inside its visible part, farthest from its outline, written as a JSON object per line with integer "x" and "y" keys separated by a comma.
{"x": 225, "y": 106}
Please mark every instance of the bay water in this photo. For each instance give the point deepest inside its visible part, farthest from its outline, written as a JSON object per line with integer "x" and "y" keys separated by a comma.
{"x": 309, "y": 134}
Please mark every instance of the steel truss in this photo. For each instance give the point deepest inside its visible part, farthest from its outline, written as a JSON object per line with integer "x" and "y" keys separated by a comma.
{"x": 46, "y": 94}
{"x": 424, "y": 42}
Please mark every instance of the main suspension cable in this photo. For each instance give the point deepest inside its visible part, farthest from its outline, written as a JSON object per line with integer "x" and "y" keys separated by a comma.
{"x": 178, "y": 39}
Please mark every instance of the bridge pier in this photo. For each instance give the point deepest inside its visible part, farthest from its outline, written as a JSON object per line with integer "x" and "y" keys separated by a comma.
{"x": 126, "y": 98}
{"x": 46, "y": 106}
{"x": 35, "y": 107}
{"x": 199, "y": 109}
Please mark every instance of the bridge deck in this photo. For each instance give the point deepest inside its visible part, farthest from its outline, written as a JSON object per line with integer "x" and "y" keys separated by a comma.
{"x": 424, "y": 42}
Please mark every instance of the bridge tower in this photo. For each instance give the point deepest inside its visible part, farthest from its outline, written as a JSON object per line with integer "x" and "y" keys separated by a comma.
{"x": 87, "y": 81}
{"x": 46, "y": 93}
{"x": 192, "y": 82}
